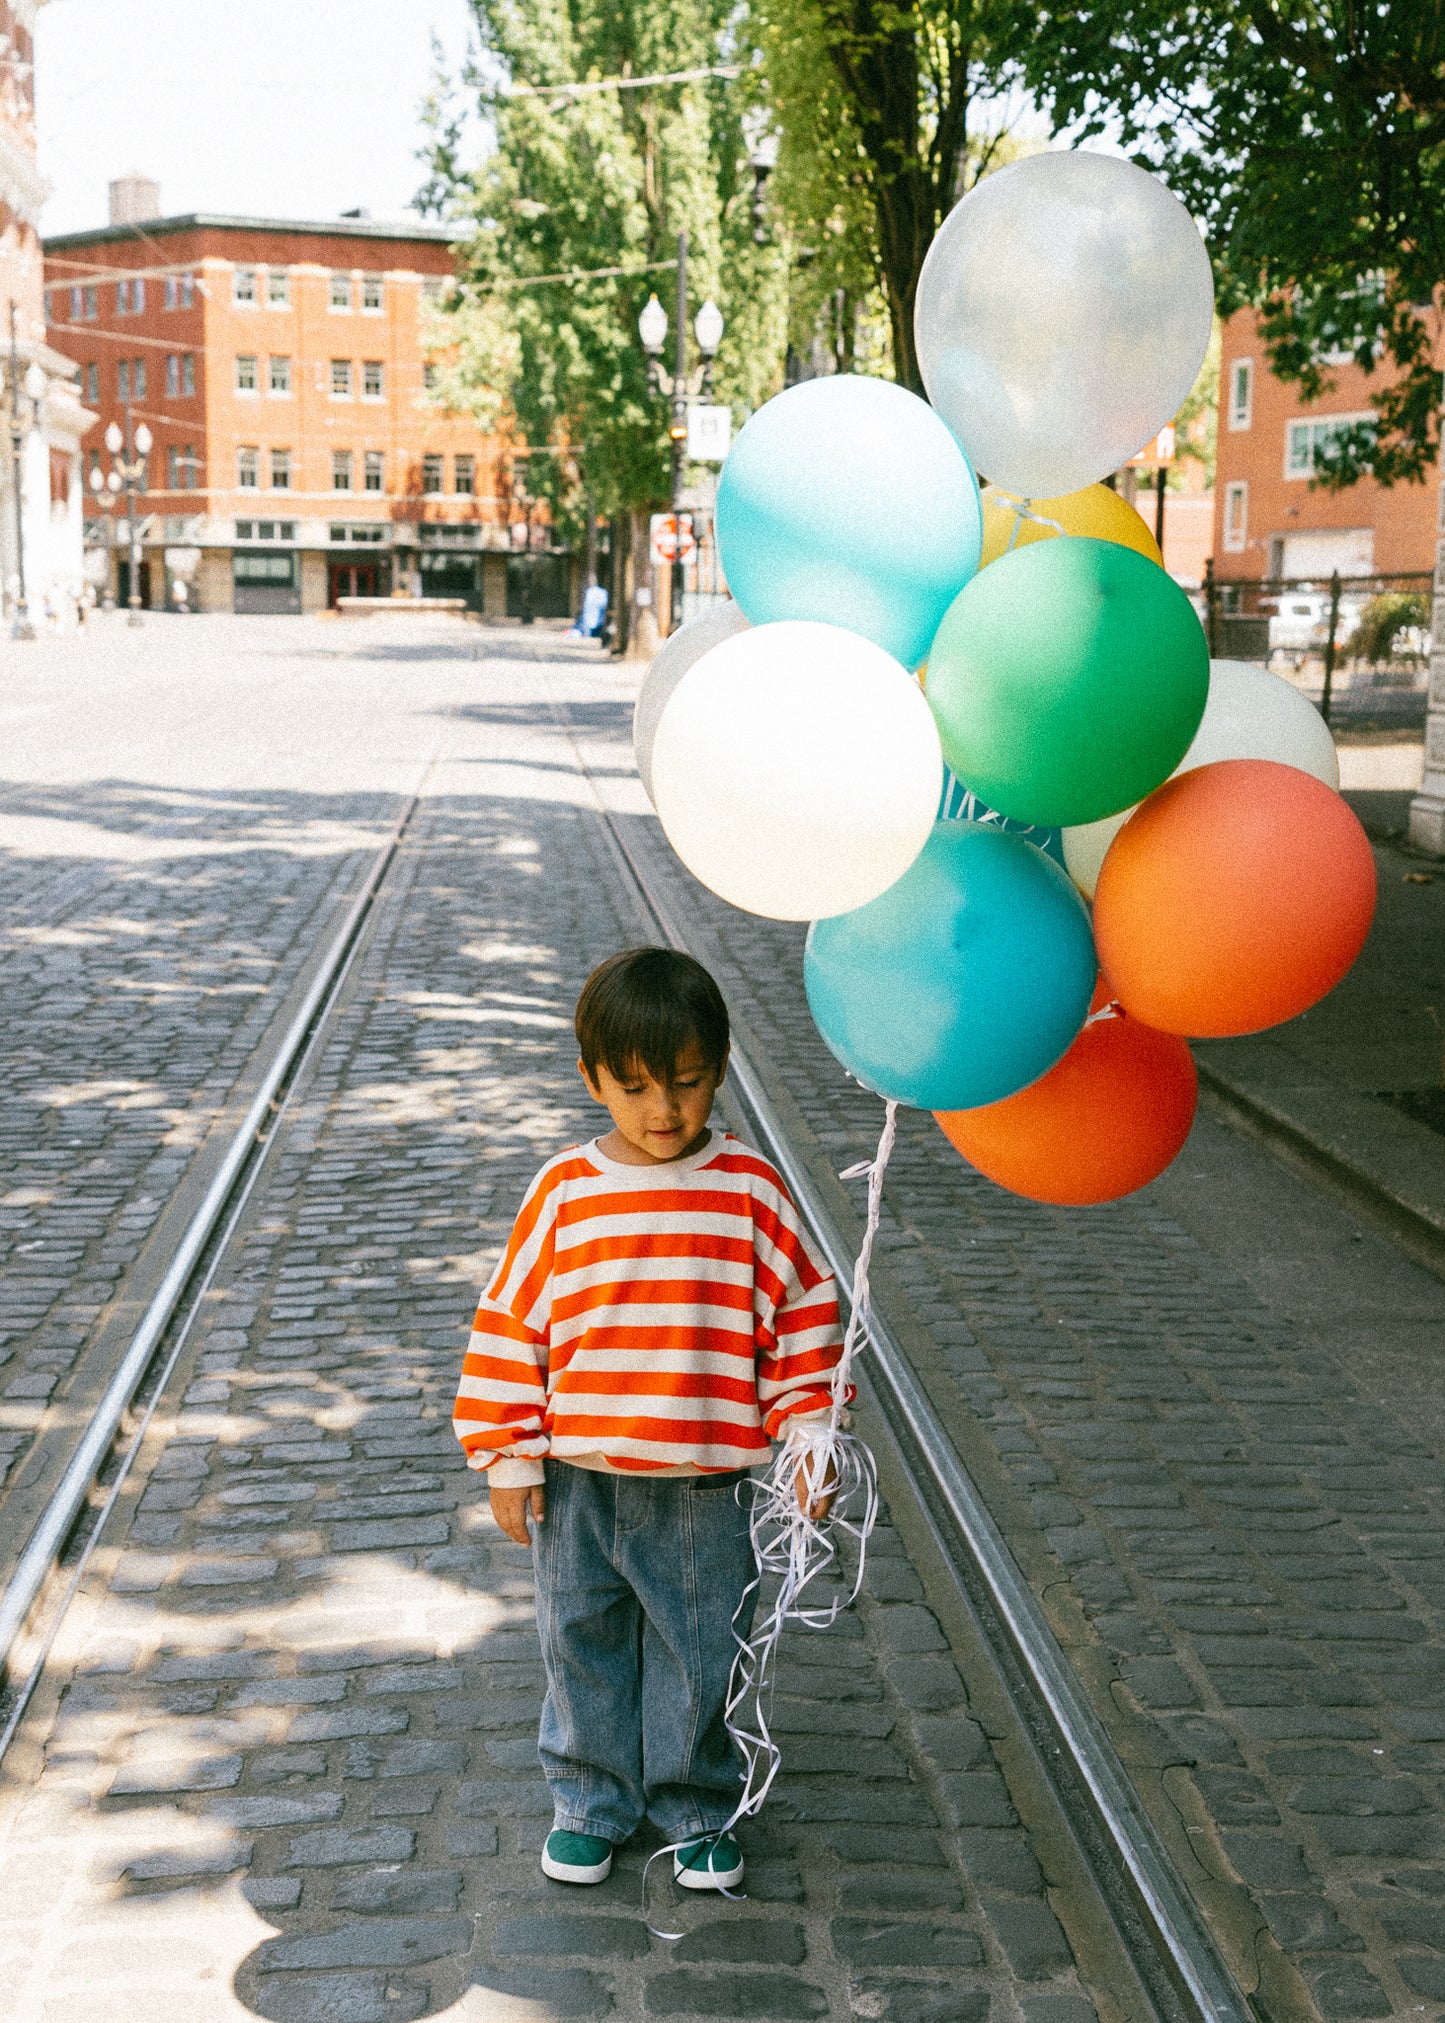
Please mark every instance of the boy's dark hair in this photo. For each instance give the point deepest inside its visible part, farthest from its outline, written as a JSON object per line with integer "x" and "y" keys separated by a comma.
{"x": 642, "y": 1007}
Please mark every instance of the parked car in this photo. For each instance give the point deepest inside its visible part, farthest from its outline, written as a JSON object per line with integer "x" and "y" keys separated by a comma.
{"x": 1300, "y": 621}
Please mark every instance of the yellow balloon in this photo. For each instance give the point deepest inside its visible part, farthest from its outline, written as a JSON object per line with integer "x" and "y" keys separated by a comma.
{"x": 1096, "y": 511}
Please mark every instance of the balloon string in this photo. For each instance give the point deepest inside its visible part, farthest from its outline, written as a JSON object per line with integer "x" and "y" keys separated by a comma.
{"x": 795, "y": 1547}
{"x": 1112, "y": 1010}
{"x": 1023, "y": 509}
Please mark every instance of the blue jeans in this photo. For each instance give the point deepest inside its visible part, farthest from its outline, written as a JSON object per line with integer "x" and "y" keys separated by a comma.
{"x": 637, "y": 1581}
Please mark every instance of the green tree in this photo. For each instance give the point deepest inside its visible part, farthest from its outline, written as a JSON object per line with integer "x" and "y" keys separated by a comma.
{"x": 887, "y": 112}
{"x": 580, "y": 181}
{"x": 1308, "y": 137}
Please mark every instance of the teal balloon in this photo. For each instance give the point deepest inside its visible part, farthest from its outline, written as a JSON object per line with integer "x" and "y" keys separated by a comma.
{"x": 847, "y": 500}
{"x": 1067, "y": 681}
{"x": 963, "y": 982}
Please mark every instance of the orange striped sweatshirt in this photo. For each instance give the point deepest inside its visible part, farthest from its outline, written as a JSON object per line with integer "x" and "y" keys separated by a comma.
{"x": 654, "y": 1319}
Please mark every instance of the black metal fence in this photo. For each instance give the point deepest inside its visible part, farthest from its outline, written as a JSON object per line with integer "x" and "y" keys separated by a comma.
{"x": 1359, "y": 645}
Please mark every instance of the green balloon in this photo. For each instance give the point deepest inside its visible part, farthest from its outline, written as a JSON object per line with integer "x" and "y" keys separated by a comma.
{"x": 1068, "y": 680}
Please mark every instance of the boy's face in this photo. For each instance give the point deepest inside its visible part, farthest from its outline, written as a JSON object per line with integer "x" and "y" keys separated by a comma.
{"x": 657, "y": 1120}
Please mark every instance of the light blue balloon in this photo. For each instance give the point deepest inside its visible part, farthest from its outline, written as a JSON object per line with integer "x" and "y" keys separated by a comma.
{"x": 962, "y": 983}
{"x": 847, "y": 500}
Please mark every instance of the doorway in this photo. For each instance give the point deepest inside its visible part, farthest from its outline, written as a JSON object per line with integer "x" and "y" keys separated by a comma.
{"x": 122, "y": 588}
{"x": 354, "y": 579}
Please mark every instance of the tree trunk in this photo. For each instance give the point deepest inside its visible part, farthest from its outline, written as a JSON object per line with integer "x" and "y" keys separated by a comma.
{"x": 620, "y": 598}
{"x": 1427, "y": 810}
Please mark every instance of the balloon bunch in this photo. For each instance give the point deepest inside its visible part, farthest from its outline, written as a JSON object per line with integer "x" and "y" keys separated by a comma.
{"x": 895, "y": 626}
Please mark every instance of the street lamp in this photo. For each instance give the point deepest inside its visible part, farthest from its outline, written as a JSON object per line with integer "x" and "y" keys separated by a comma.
{"x": 34, "y": 385}
{"x": 676, "y": 385}
{"x": 129, "y": 451}
{"x": 106, "y": 487}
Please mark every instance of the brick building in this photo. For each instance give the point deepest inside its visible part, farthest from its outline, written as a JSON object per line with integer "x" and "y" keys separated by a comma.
{"x": 282, "y": 369}
{"x": 1268, "y": 519}
{"x": 39, "y": 386}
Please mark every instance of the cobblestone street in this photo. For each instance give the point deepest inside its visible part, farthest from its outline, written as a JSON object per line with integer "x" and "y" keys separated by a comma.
{"x": 284, "y": 1762}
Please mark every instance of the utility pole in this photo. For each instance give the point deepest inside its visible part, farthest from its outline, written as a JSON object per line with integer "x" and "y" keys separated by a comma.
{"x": 21, "y": 627}
{"x": 678, "y": 434}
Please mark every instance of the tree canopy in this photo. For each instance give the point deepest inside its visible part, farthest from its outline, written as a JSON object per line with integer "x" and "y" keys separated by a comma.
{"x": 1308, "y": 137}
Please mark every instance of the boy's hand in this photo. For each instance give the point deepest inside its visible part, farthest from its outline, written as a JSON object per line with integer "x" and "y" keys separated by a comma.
{"x": 821, "y": 1503}
{"x": 510, "y": 1508}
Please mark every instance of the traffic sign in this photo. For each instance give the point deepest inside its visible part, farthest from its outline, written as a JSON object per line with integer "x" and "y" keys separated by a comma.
{"x": 1159, "y": 451}
{"x": 672, "y": 537}
{"x": 709, "y": 432}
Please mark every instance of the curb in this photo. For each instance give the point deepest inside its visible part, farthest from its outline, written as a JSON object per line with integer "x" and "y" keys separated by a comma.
{"x": 1418, "y": 1228}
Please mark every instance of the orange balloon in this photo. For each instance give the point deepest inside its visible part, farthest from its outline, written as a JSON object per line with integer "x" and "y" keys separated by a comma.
{"x": 1232, "y": 899}
{"x": 1107, "y": 1118}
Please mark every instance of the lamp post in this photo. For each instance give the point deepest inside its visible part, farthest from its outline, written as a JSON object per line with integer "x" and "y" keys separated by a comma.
{"x": 33, "y": 386}
{"x": 105, "y": 488}
{"x": 677, "y": 385}
{"x": 129, "y": 451}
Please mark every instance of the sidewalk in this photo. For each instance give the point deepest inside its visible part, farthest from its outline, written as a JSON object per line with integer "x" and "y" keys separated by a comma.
{"x": 1354, "y": 1091}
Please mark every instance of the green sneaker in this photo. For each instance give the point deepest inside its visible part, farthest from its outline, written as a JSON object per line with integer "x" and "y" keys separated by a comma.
{"x": 576, "y": 1857}
{"x": 713, "y": 1863}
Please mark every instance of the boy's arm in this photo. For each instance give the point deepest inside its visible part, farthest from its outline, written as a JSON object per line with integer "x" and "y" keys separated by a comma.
{"x": 501, "y": 1407}
{"x": 801, "y": 1347}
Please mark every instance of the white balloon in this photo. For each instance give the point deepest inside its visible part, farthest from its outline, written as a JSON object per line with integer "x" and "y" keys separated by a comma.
{"x": 797, "y": 770}
{"x": 679, "y": 651}
{"x": 1062, "y": 315}
{"x": 1250, "y": 714}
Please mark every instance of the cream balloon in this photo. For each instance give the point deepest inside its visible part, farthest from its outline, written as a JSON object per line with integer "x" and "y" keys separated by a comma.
{"x": 679, "y": 651}
{"x": 1062, "y": 315}
{"x": 1250, "y": 714}
{"x": 797, "y": 770}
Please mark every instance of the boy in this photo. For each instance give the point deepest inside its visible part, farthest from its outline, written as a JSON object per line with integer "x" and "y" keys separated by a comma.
{"x": 658, "y": 1317}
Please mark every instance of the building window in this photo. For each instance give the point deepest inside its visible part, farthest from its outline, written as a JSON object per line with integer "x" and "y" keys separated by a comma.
{"x": 280, "y": 470}
{"x": 1236, "y": 516}
{"x": 92, "y": 304}
{"x": 341, "y": 291}
{"x": 1307, "y": 441}
{"x": 138, "y": 378}
{"x": 173, "y": 291}
{"x": 341, "y": 470}
{"x": 278, "y": 289}
{"x": 180, "y": 291}
{"x": 278, "y": 376}
{"x": 373, "y": 379}
{"x": 173, "y": 468}
{"x": 1241, "y": 393}
{"x": 188, "y": 372}
{"x": 431, "y": 474}
{"x": 245, "y": 288}
{"x": 375, "y": 471}
{"x": 122, "y": 379}
{"x": 466, "y": 474}
{"x": 372, "y": 295}
{"x": 50, "y": 315}
{"x": 122, "y": 298}
{"x": 246, "y": 381}
{"x": 173, "y": 376}
{"x": 77, "y": 304}
{"x": 138, "y": 295}
{"x": 92, "y": 382}
{"x": 190, "y": 467}
{"x": 341, "y": 379}
{"x": 248, "y": 469}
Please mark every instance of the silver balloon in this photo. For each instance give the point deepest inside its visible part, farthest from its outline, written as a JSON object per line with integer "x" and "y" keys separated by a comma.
{"x": 1062, "y": 315}
{"x": 677, "y": 654}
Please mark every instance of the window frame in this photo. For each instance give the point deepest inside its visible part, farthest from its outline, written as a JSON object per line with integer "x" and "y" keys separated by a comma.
{"x": 92, "y": 302}
{"x": 278, "y": 276}
{"x": 92, "y": 380}
{"x": 433, "y": 464}
{"x": 188, "y": 375}
{"x": 240, "y": 277}
{"x": 280, "y": 470}
{"x": 248, "y": 372}
{"x": 343, "y": 461}
{"x": 373, "y": 283}
{"x": 1241, "y": 411}
{"x": 342, "y": 374}
{"x": 122, "y": 379}
{"x": 373, "y": 368}
{"x": 336, "y": 281}
{"x": 248, "y": 461}
{"x": 1234, "y": 528}
{"x": 173, "y": 375}
{"x": 464, "y": 464}
{"x": 373, "y": 465}
{"x": 278, "y": 387}
{"x": 1312, "y": 424}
